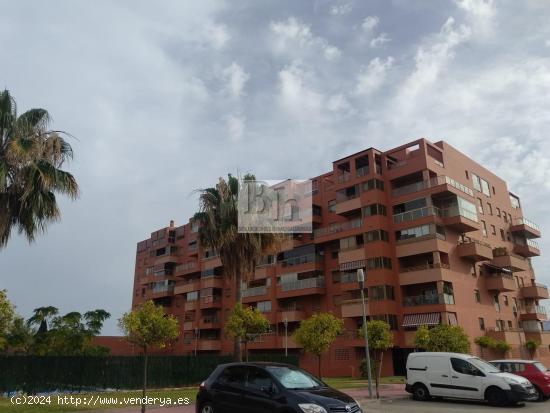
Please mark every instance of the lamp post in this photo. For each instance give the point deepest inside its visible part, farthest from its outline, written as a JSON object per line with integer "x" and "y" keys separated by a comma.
{"x": 361, "y": 280}
{"x": 285, "y": 322}
{"x": 196, "y": 340}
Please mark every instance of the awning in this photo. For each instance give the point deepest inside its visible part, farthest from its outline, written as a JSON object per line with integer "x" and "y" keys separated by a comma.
{"x": 451, "y": 317}
{"x": 425, "y": 319}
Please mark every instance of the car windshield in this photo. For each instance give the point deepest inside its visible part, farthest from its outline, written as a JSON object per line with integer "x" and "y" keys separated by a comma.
{"x": 540, "y": 366}
{"x": 483, "y": 365}
{"x": 294, "y": 378}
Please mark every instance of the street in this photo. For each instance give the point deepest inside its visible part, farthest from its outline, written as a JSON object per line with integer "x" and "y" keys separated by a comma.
{"x": 448, "y": 406}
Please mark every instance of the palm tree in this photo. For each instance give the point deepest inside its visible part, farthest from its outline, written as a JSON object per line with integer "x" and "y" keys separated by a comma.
{"x": 31, "y": 157}
{"x": 94, "y": 320}
{"x": 218, "y": 230}
{"x": 41, "y": 316}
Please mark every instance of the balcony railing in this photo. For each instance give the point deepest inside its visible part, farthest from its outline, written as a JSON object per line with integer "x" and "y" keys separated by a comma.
{"x": 533, "y": 244}
{"x": 162, "y": 288}
{"x": 428, "y": 299}
{"x": 345, "y": 177}
{"x": 362, "y": 171}
{"x": 527, "y": 223}
{"x": 335, "y": 228}
{"x": 416, "y": 214}
{"x": 317, "y": 282}
{"x": 301, "y": 259}
{"x": 456, "y": 210}
{"x": 430, "y": 183}
{"x": 534, "y": 309}
{"x": 348, "y": 278}
{"x": 251, "y": 292}
{"x": 426, "y": 266}
{"x": 163, "y": 272}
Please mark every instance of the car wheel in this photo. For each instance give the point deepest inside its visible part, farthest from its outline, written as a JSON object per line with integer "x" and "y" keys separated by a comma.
{"x": 540, "y": 395}
{"x": 496, "y": 397}
{"x": 420, "y": 392}
{"x": 207, "y": 408}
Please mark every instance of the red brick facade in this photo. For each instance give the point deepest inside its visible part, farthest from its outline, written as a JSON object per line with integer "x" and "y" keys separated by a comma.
{"x": 441, "y": 238}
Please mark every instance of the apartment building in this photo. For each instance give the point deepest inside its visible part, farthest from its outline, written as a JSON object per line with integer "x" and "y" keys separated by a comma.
{"x": 442, "y": 241}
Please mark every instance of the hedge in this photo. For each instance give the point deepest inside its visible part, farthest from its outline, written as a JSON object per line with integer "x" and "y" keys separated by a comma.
{"x": 35, "y": 374}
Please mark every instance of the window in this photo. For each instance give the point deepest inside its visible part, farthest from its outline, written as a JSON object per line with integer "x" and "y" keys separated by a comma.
{"x": 502, "y": 236}
{"x": 498, "y": 212}
{"x": 414, "y": 232}
{"x": 332, "y": 205}
{"x": 496, "y": 303}
{"x": 373, "y": 184}
{"x": 378, "y": 262}
{"x": 376, "y": 235}
{"x": 493, "y": 229}
{"x": 509, "y": 218}
{"x": 334, "y": 255}
{"x": 476, "y": 181}
{"x": 490, "y": 208}
{"x": 317, "y": 211}
{"x": 514, "y": 200}
{"x": 374, "y": 209}
{"x": 264, "y": 306}
{"x": 504, "y": 216}
{"x": 510, "y": 325}
{"x": 381, "y": 292}
{"x": 235, "y": 375}
{"x": 480, "y": 205}
{"x": 477, "y": 296}
{"x": 463, "y": 367}
{"x": 484, "y": 228}
{"x": 259, "y": 379}
{"x": 506, "y": 303}
{"x": 481, "y": 323}
{"x": 351, "y": 242}
{"x": 466, "y": 172}
{"x": 192, "y": 296}
{"x": 485, "y": 187}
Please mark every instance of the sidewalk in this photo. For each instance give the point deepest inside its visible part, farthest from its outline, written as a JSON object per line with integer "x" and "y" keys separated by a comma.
{"x": 387, "y": 391}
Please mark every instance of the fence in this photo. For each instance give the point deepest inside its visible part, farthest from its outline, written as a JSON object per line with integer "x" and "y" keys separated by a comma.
{"x": 34, "y": 374}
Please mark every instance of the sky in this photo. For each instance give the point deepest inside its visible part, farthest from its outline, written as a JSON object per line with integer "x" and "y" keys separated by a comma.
{"x": 165, "y": 97}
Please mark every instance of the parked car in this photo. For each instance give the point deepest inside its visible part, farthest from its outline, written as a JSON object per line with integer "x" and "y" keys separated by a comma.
{"x": 534, "y": 371}
{"x": 269, "y": 388}
{"x": 463, "y": 376}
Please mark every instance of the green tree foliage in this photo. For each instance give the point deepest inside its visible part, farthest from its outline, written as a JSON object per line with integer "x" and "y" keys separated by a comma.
{"x": 20, "y": 337}
{"x": 317, "y": 333}
{"x": 380, "y": 339}
{"x": 532, "y": 346}
{"x": 31, "y": 160}
{"x": 443, "y": 337}
{"x": 149, "y": 326}
{"x": 245, "y": 323}
{"x": 7, "y": 314}
{"x": 488, "y": 342}
{"x": 218, "y": 229}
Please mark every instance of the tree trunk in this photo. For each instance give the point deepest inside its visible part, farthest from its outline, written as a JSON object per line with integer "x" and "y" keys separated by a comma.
{"x": 237, "y": 355}
{"x": 379, "y": 374}
{"x": 246, "y": 350}
{"x": 144, "y": 379}
{"x": 319, "y": 366}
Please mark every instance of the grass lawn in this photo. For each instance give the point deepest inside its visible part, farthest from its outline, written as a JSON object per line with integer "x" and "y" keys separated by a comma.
{"x": 351, "y": 383}
{"x": 7, "y": 407}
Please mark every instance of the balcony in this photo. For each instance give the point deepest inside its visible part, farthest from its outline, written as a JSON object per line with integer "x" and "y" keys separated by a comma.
{"x": 208, "y": 322}
{"x": 533, "y": 312}
{"x": 291, "y": 315}
{"x": 537, "y": 292}
{"x": 335, "y": 229}
{"x": 421, "y": 245}
{"x": 353, "y": 308}
{"x": 254, "y": 294}
{"x": 460, "y": 219}
{"x": 512, "y": 336}
{"x": 212, "y": 301}
{"x": 351, "y": 255}
{"x": 528, "y": 249}
{"x": 186, "y": 268}
{"x": 161, "y": 291}
{"x": 301, "y": 263}
{"x": 433, "y": 299}
{"x": 500, "y": 282}
{"x": 525, "y": 227}
{"x": 441, "y": 184}
{"x": 191, "y": 285}
{"x": 191, "y": 305}
{"x": 475, "y": 250}
{"x": 512, "y": 262}
{"x": 187, "y": 325}
{"x": 415, "y": 214}
{"x": 308, "y": 286}
{"x": 348, "y": 205}
{"x": 211, "y": 262}
{"x": 424, "y": 274}
{"x": 211, "y": 282}
{"x": 209, "y": 345}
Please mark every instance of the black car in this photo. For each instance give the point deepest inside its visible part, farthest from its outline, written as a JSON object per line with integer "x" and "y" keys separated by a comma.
{"x": 269, "y": 388}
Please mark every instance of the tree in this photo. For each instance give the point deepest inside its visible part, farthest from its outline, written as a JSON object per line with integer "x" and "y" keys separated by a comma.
{"x": 218, "y": 229}
{"x": 148, "y": 326}
{"x": 484, "y": 342}
{"x": 502, "y": 346}
{"x": 532, "y": 346}
{"x": 317, "y": 333}
{"x": 20, "y": 337}
{"x": 41, "y": 317}
{"x": 380, "y": 339}
{"x": 94, "y": 320}
{"x": 443, "y": 337}
{"x": 7, "y": 314}
{"x": 31, "y": 158}
{"x": 245, "y": 323}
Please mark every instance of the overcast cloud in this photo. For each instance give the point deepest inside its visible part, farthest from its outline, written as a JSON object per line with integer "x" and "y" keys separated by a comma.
{"x": 166, "y": 96}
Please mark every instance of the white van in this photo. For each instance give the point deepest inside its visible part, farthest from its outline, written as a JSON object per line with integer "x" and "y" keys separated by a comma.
{"x": 463, "y": 376}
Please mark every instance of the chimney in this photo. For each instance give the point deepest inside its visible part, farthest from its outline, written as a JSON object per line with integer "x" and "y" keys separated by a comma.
{"x": 171, "y": 223}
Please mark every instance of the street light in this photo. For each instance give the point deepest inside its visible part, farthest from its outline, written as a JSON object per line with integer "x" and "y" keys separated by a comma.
{"x": 196, "y": 339}
{"x": 361, "y": 280}
{"x": 285, "y": 322}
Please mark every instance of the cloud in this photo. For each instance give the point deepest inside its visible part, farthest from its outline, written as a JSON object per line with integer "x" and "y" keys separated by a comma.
{"x": 379, "y": 40}
{"x": 294, "y": 38}
{"x": 216, "y": 35}
{"x": 373, "y": 76}
{"x": 236, "y": 124}
{"x": 370, "y": 23}
{"x": 235, "y": 78}
{"x": 341, "y": 10}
